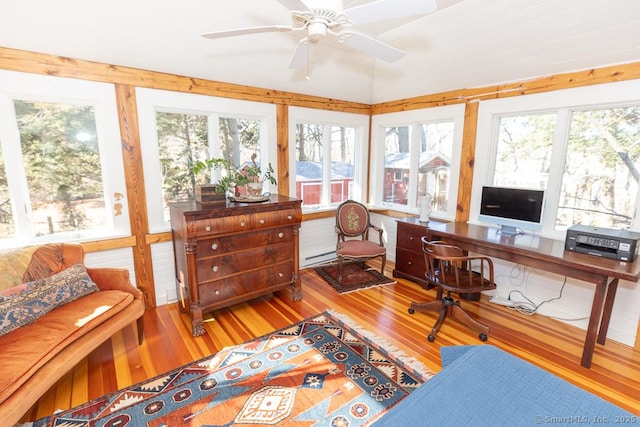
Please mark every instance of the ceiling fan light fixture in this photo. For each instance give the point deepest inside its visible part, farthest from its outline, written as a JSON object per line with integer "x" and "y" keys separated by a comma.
{"x": 316, "y": 31}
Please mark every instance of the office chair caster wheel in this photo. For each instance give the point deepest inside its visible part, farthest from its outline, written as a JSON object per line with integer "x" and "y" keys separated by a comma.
{"x": 431, "y": 338}
{"x": 483, "y": 336}
{"x": 411, "y": 311}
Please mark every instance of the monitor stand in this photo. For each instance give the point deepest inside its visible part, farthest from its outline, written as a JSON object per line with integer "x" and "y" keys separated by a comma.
{"x": 509, "y": 230}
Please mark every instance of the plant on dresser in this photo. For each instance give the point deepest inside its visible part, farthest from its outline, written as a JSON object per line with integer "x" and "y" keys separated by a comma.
{"x": 233, "y": 253}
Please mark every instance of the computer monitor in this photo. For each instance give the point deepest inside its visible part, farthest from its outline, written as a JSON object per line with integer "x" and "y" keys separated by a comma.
{"x": 513, "y": 209}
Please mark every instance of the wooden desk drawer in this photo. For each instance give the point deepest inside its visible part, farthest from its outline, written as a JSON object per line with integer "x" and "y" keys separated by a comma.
{"x": 218, "y": 267}
{"x": 221, "y": 245}
{"x": 410, "y": 262}
{"x": 410, "y": 241}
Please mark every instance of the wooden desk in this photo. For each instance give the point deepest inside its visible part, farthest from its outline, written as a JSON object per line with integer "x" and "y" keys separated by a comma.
{"x": 548, "y": 255}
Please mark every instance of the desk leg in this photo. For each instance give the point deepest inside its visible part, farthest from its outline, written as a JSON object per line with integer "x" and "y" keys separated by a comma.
{"x": 594, "y": 322}
{"x": 606, "y": 312}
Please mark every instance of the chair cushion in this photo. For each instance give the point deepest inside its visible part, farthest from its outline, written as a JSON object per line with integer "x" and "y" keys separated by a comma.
{"x": 27, "y": 302}
{"x": 360, "y": 249}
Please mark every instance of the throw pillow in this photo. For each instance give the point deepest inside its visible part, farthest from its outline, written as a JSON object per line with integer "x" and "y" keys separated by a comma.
{"x": 27, "y": 302}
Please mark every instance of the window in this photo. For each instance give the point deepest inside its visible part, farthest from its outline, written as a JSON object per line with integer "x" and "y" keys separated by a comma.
{"x": 602, "y": 168}
{"x": 183, "y": 140}
{"x": 328, "y": 156}
{"x": 178, "y": 129}
{"x": 579, "y": 145}
{"x": 56, "y": 182}
{"x": 421, "y": 154}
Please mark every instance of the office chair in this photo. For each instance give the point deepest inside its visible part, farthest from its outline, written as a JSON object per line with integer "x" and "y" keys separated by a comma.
{"x": 352, "y": 226}
{"x": 450, "y": 270}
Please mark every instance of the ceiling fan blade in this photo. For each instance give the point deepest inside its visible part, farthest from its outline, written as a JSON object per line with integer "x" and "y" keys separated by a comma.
{"x": 389, "y": 9}
{"x": 370, "y": 45}
{"x": 294, "y": 5}
{"x": 248, "y": 30}
{"x": 303, "y": 54}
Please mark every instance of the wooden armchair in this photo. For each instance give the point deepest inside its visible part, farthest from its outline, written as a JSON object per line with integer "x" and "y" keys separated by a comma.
{"x": 450, "y": 269}
{"x": 352, "y": 227}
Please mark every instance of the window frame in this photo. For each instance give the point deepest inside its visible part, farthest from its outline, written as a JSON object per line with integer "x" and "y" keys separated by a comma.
{"x": 151, "y": 101}
{"x": 414, "y": 119}
{"x": 52, "y": 89}
{"x": 563, "y": 103}
{"x": 328, "y": 119}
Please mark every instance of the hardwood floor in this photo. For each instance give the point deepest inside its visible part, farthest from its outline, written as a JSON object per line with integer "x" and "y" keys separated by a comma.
{"x": 168, "y": 343}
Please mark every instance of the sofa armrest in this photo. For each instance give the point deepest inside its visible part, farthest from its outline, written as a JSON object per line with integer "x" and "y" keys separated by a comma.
{"x": 114, "y": 279}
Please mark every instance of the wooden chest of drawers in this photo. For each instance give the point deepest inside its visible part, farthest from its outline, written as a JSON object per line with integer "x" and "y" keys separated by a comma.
{"x": 235, "y": 252}
{"x": 409, "y": 258}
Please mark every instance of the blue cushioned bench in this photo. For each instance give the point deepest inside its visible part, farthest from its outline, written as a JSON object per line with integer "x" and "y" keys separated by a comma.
{"x": 485, "y": 386}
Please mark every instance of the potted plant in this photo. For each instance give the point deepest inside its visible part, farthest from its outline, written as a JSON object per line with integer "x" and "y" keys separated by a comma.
{"x": 216, "y": 192}
{"x": 256, "y": 177}
{"x": 250, "y": 177}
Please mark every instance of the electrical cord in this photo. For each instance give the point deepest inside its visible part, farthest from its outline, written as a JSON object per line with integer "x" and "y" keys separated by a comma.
{"x": 527, "y": 306}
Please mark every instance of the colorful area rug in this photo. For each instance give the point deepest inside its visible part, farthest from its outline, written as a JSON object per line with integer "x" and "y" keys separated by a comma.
{"x": 322, "y": 371}
{"x": 354, "y": 277}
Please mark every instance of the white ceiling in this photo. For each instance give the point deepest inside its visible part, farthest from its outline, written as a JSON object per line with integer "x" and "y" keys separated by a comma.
{"x": 464, "y": 44}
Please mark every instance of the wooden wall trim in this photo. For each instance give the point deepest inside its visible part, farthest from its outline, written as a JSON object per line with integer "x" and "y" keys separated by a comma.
{"x": 38, "y": 63}
{"x": 136, "y": 194}
{"x": 614, "y": 73}
{"x": 282, "y": 143}
{"x": 467, "y": 161}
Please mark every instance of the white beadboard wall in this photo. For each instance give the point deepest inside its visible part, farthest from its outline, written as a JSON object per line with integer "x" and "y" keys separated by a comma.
{"x": 164, "y": 272}
{"x": 317, "y": 237}
{"x": 114, "y": 258}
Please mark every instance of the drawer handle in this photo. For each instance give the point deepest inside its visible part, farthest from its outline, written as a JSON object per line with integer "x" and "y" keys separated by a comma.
{"x": 207, "y": 228}
{"x": 214, "y": 246}
{"x": 411, "y": 238}
{"x": 216, "y": 292}
{"x": 281, "y": 274}
{"x": 289, "y": 217}
{"x": 410, "y": 262}
{"x": 281, "y": 234}
{"x": 215, "y": 268}
{"x": 242, "y": 224}
{"x": 262, "y": 221}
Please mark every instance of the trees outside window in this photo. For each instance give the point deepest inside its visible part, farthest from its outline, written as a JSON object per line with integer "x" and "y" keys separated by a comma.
{"x": 183, "y": 140}
{"x": 581, "y": 149}
{"x": 319, "y": 182}
{"x": 600, "y": 178}
{"x": 416, "y": 153}
{"x": 177, "y": 130}
{"x": 57, "y": 181}
{"x": 328, "y": 156}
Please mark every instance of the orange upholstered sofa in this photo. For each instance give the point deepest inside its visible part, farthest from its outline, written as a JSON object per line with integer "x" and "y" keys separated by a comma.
{"x": 66, "y": 310}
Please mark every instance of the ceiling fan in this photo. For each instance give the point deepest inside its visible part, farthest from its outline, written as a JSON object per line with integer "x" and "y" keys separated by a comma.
{"x": 322, "y": 18}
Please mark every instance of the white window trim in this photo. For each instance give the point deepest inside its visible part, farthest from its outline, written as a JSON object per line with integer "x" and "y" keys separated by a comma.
{"x": 150, "y": 101}
{"x": 360, "y": 122}
{"x": 560, "y": 101}
{"x": 40, "y": 88}
{"x": 412, "y": 118}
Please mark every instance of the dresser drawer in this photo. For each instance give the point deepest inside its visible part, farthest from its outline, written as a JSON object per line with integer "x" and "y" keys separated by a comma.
{"x": 247, "y": 285}
{"x": 275, "y": 218}
{"x": 212, "y": 226}
{"x": 218, "y": 267}
{"x": 409, "y": 262}
{"x": 222, "y": 245}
